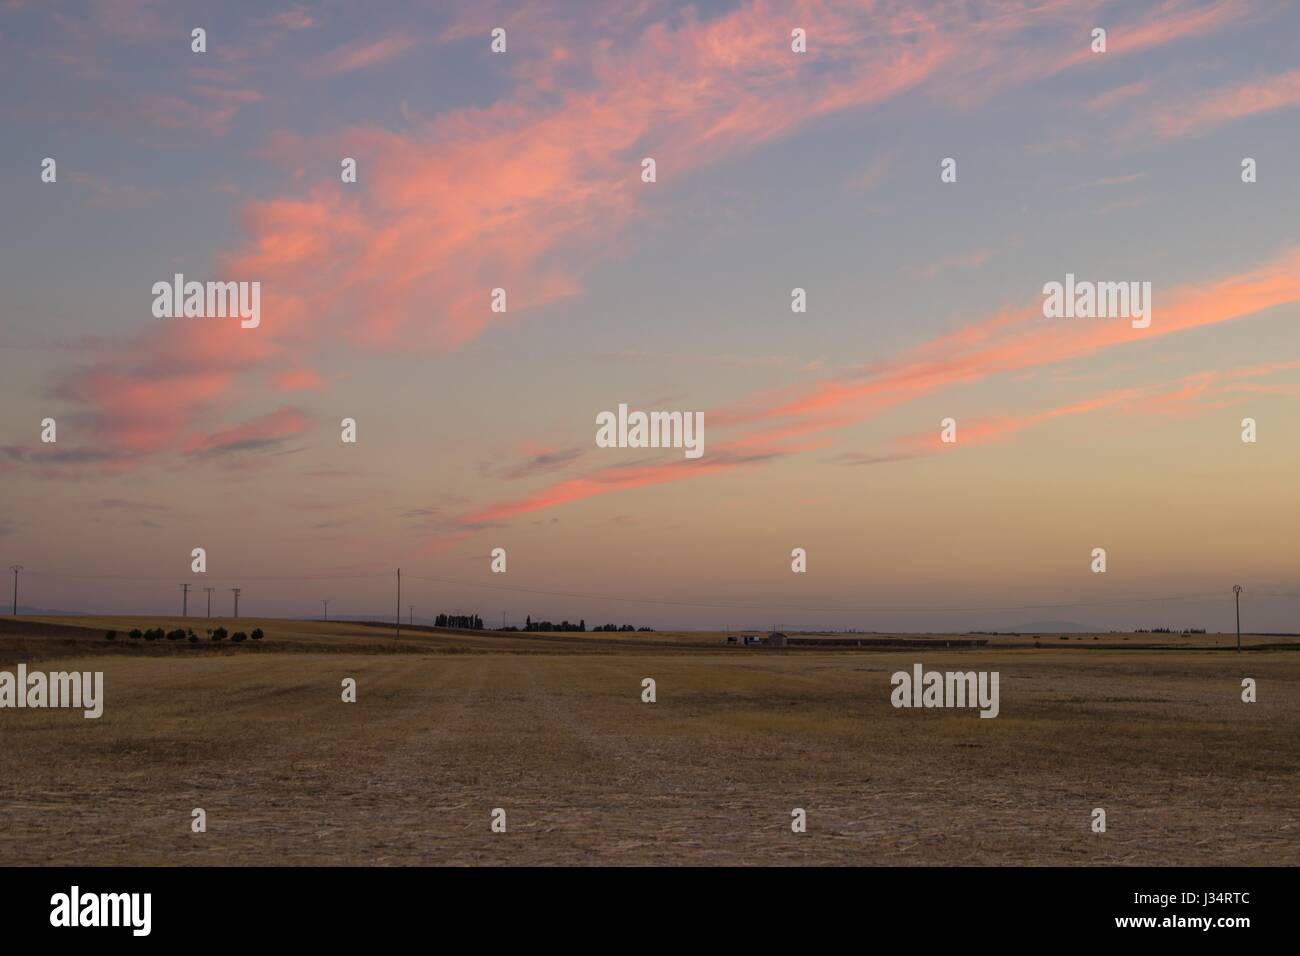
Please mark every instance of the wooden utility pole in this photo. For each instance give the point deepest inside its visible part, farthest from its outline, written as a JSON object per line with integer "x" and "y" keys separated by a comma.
{"x": 399, "y": 604}
{"x": 209, "y": 590}
{"x": 1236, "y": 592}
{"x": 236, "y": 590}
{"x": 185, "y": 600}
{"x": 327, "y": 608}
{"x": 15, "y": 568}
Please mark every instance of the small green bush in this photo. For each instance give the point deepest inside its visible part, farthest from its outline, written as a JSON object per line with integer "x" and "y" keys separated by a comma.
{"x": 219, "y": 634}
{"x": 137, "y": 634}
{"x": 176, "y": 635}
{"x": 238, "y": 636}
{"x": 257, "y": 634}
{"x": 110, "y": 635}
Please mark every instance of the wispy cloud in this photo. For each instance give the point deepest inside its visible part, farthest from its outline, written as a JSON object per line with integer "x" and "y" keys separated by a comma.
{"x": 267, "y": 431}
{"x": 546, "y": 184}
{"x": 1201, "y": 114}
{"x": 1008, "y": 342}
{"x": 365, "y": 53}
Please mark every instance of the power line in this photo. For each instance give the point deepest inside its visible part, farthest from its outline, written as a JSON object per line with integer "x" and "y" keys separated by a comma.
{"x": 667, "y": 602}
{"x": 214, "y": 577}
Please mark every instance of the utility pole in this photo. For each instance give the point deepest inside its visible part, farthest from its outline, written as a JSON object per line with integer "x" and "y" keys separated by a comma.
{"x": 15, "y": 568}
{"x": 411, "y": 618}
{"x": 185, "y": 600}
{"x": 327, "y": 608}
{"x": 236, "y": 590}
{"x": 1236, "y": 593}
{"x": 209, "y": 590}
{"x": 399, "y": 604}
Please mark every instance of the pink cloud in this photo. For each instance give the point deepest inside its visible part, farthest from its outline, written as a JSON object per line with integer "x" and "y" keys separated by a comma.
{"x": 362, "y": 54}
{"x": 1263, "y": 95}
{"x": 1185, "y": 396}
{"x": 1008, "y": 342}
{"x": 534, "y": 190}
{"x": 1119, "y": 94}
{"x": 298, "y": 380}
{"x": 262, "y": 432}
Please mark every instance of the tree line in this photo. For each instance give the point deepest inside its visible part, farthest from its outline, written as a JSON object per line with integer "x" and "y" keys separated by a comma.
{"x": 470, "y": 622}
{"x": 183, "y": 634}
{"x": 474, "y": 622}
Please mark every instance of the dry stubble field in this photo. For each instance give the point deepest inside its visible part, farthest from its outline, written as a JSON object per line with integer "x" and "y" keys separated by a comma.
{"x": 449, "y": 726}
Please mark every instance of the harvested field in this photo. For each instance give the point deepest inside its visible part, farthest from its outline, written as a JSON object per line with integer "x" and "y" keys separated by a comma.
{"x": 557, "y": 735}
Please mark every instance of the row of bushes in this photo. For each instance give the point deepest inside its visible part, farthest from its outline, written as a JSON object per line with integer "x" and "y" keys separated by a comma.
{"x": 158, "y": 634}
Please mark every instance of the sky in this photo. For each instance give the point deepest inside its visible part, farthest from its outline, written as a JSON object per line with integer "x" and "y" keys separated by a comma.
{"x": 774, "y": 170}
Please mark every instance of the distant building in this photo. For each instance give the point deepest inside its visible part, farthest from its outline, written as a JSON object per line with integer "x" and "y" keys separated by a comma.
{"x": 776, "y": 639}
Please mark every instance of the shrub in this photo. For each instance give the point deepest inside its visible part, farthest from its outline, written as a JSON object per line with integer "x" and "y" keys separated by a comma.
{"x": 176, "y": 635}
{"x": 238, "y": 636}
{"x": 109, "y": 635}
{"x": 219, "y": 634}
{"x": 257, "y": 634}
{"x": 153, "y": 634}
{"x": 194, "y": 638}
{"x": 137, "y": 634}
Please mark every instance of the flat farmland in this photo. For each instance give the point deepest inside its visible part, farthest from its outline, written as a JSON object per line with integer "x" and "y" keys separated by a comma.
{"x": 451, "y": 726}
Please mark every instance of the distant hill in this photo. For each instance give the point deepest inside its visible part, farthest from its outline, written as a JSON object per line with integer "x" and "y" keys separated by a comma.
{"x": 1063, "y": 627}
{"x": 38, "y": 611}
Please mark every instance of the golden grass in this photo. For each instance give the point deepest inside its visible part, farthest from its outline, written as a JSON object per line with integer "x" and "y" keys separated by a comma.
{"x": 587, "y": 773}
